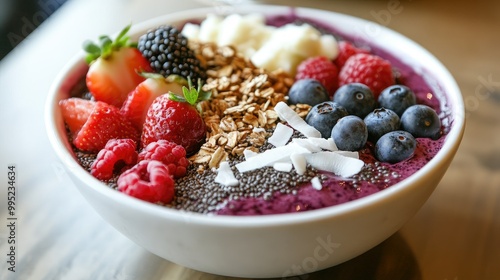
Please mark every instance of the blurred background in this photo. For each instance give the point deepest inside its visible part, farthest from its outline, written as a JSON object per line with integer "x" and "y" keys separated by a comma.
{"x": 18, "y": 18}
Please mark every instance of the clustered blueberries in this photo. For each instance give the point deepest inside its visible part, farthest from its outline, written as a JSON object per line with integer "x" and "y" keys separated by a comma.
{"x": 354, "y": 116}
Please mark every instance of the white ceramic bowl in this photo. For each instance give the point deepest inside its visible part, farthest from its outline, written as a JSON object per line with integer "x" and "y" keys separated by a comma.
{"x": 275, "y": 245}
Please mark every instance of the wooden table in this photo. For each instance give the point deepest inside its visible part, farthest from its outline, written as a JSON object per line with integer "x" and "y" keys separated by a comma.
{"x": 455, "y": 236}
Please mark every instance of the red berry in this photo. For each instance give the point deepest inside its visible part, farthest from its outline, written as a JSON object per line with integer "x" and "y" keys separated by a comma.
{"x": 177, "y": 122}
{"x": 103, "y": 122}
{"x": 76, "y": 112}
{"x": 138, "y": 101}
{"x": 171, "y": 154}
{"x": 319, "y": 68}
{"x": 113, "y": 68}
{"x": 148, "y": 180}
{"x": 115, "y": 154}
{"x": 347, "y": 50}
{"x": 368, "y": 69}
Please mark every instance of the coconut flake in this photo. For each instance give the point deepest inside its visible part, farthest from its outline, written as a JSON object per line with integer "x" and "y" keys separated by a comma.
{"x": 269, "y": 157}
{"x": 325, "y": 144}
{"x": 247, "y": 153}
{"x": 305, "y": 143}
{"x": 336, "y": 163}
{"x": 225, "y": 175}
{"x": 286, "y": 113}
{"x": 316, "y": 183}
{"x": 281, "y": 135}
{"x": 299, "y": 163}
{"x": 350, "y": 154}
{"x": 282, "y": 166}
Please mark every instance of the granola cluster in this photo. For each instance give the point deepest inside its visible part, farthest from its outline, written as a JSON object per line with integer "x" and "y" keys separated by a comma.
{"x": 240, "y": 112}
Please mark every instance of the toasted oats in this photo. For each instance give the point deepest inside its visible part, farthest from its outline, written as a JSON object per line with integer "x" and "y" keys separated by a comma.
{"x": 217, "y": 157}
{"x": 243, "y": 98}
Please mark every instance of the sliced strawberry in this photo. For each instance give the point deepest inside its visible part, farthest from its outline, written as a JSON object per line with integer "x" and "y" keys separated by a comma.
{"x": 114, "y": 68}
{"x": 75, "y": 112}
{"x": 104, "y": 122}
{"x": 138, "y": 101}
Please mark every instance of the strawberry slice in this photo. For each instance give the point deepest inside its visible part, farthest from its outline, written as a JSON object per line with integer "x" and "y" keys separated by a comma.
{"x": 103, "y": 122}
{"x": 75, "y": 112}
{"x": 138, "y": 101}
{"x": 113, "y": 68}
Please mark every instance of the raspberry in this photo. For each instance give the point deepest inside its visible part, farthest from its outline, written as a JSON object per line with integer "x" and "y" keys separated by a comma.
{"x": 115, "y": 154}
{"x": 368, "y": 69}
{"x": 319, "y": 68}
{"x": 149, "y": 180}
{"x": 347, "y": 50}
{"x": 171, "y": 154}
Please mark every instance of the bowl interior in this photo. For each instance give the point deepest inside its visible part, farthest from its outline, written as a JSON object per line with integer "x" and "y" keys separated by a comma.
{"x": 408, "y": 51}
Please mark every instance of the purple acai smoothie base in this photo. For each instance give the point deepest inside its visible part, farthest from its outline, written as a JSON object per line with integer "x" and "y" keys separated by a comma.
{"x": 336, "y": 190}
{"x": 374, "y": 177}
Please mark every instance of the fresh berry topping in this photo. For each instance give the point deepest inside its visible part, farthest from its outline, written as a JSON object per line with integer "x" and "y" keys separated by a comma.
{"x": 397, "y": 98}
{"x": 395, "y": 146}
{"x": 380, "y": 122}
{"x": 319, "y": 68}
{"x": 324, "y": 116}
{"x": 171, "y": 154}
{"x": 117, "y": 153}
{"x": 148, "y": 180}
{"x": 347, "y": 50}
{"x": 350, "y": 133}
{"x": 113, "y": 68}
{"x": 368, "y": 69}
{"x": 356, "y": 98}
{"x": 307, "y": 91}
{"x": 421, "y": 121}
{"x": 104, "y": 122}
{"x": 75, "y": 112}
{"x": 138, "y": 101}
{"x": 176, "y": 119}
{"x": 168, "y": 53}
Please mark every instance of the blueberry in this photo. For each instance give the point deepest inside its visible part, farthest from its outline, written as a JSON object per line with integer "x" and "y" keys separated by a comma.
{"x": 421, "y": 121}
{"x": 324, "y": 116}
{"x": 350, "y": 133}
{"x": 379, "y": 122}
{"x": 307, "y": 91}
{"x": 357, "y": 98}
{"x": 397, "y": 98}
{"x": 395, "y": 146}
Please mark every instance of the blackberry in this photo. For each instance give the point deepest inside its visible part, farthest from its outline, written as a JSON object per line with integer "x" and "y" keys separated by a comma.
{"x": 168, "y": 53}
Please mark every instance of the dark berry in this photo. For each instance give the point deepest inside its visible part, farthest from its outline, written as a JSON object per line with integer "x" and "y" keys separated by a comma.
{"x": 421, "y": 121}
{"x": 397, "y": 98}
{"x": 168, "y": 53}
{"x": 356, "y": 98}
{"x": 381, "y": 121}
{"x": 324, "y": 116}
{"x": 350, "y": 133}
{"x": 307, "y": 91}
{"x": 395, "y": 146}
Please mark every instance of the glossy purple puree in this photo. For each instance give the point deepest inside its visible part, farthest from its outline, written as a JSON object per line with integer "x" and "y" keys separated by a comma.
{"x": 375, "y": 176}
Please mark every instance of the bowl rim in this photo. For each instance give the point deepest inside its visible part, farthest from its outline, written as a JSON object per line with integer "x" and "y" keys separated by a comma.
{"x": 450, "y": 145}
